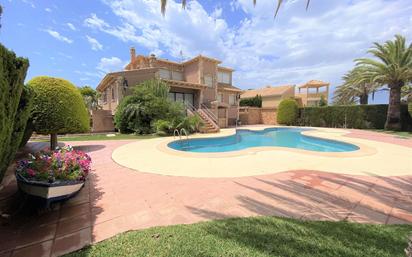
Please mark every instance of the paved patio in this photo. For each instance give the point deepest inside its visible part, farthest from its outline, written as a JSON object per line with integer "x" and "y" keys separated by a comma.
{"x": 117, "y": 199}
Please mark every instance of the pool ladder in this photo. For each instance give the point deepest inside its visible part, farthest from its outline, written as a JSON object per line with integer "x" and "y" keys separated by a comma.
{"x": 179, "y": 134}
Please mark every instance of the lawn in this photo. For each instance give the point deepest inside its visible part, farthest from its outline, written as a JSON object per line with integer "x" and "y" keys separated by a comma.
{"x": 91, "y": 137}
{"x": 260, "y": 236}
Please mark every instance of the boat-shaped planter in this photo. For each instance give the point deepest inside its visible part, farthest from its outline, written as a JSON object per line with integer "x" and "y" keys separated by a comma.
{"x": 49, "y": 192}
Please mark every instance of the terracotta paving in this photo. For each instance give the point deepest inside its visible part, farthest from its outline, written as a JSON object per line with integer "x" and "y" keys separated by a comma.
{"x": 116, "y": 199}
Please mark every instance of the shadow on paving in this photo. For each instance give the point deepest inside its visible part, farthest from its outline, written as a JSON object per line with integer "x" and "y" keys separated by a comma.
{"x": 320, "y": 196}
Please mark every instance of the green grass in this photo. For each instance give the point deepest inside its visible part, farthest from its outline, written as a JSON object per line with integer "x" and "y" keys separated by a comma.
{"x": 261, "y": 236}
{"x": 91, "y": 137}
{"x": 404, "y": 134}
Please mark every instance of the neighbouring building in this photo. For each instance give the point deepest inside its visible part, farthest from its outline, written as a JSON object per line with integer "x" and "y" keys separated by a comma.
{"x": 309, "y": 94}
{"x": 313, "y": 91}
{"x": 271, "y": 96}
{"x": 201, "y": 83}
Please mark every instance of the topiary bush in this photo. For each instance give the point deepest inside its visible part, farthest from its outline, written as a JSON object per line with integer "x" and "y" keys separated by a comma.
{"x": 350, "y": 116}
{"x": 14, "y": 107}
{"x": 58, "y": 108}
{"x": 287, "y": 112}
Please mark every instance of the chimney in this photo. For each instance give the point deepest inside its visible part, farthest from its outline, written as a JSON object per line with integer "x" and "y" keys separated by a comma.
{"x": 132, "y": 54}
{"x": 152, "y": 61}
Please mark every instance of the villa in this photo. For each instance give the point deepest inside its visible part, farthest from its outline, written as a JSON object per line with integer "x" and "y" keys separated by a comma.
{"x": 200, "y": 83}
{"x": 272, "y": 96}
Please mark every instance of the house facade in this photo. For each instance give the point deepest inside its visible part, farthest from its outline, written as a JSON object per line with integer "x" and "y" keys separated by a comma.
{"x": 308, "y": 94}
{"x": 200, "y": 83}
{"x": 271, "y": 96}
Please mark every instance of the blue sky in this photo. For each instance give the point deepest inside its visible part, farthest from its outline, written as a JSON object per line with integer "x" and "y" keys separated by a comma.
{"x": 82, "y": 40}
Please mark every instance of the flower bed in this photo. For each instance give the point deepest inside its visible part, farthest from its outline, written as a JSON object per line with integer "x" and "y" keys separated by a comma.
{"x": 53, "y": 175}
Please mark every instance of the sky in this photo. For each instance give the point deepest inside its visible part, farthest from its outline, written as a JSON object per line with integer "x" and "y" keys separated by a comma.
{"x": 82, "y": 40}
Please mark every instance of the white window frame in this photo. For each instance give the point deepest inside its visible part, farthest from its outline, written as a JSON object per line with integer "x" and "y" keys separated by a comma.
{"x": 164, "y": 73}
{"x": 232, "y": 101}
{"x": 223, "y": 77}
{"x": 177, "y": 75}
{"x": 208, "y": 80}
{"x": 220, "y": 98}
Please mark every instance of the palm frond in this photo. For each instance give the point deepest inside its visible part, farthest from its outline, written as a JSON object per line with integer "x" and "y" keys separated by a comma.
{"x": 163, "y": 4}
{"x": 278, "y": 7}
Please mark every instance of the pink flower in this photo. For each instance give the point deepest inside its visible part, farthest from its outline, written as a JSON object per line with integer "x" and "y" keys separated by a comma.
{"x": 31, "y": 172}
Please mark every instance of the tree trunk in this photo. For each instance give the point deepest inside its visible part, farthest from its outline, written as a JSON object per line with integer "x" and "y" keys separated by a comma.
{"x": 363, "y": 99}
{"x": 393, "y": 119}
{"x": 53, "y": 141}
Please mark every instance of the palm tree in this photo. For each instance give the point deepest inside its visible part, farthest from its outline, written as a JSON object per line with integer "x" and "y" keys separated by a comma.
{"x": 358, "y": 85}
{"x": 163, "y": 4}
{"x": 90, "y": 97}
{"x": 394, "y": 69}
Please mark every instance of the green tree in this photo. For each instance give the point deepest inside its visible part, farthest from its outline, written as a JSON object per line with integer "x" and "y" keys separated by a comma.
{"x": 58, "y": 108}
{"x": 322, "y": 101}
{"x": 15, "y": 105}
{"x": 90, "y": 97}
{"x": 393, "y": 68}
{"x": 163, "y": 4}
{"x": 138, "y": 112}
{"x": 357, "y": 86}
{"x": 287, "y": 112}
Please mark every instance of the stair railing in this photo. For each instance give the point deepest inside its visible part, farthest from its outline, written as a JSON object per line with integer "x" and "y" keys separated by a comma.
{"x": 209, "y": 113}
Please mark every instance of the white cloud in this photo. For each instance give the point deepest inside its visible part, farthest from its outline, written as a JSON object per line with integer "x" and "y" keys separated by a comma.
{"x": 71, "y": 26}
{"x": 48, "y": 10}
{"x": 29, "y": 3}
{"x": 297, "y": 46}
{"x": 94, "y": 43}
{"x": 110, "y": 64}
{"x": 65, "y": 55}
{"x": 57, "y": 36}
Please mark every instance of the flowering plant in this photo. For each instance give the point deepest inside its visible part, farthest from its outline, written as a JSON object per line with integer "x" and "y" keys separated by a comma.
{"x": 62, "y": 164}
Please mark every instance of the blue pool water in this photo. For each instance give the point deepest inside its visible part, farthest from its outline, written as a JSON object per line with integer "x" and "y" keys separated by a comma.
{"x": 280, "y": 137}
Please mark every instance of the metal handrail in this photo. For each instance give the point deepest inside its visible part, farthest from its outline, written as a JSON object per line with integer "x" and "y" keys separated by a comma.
{"x": 174, "y": 134}
{"x": 209, "y": 113}
{"x": 184, "y": 130}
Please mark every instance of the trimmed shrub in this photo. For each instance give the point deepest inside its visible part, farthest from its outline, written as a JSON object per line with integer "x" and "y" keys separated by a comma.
{"x": 14, "y": 108}
{"x": 252, "y": 102}
{"x": 350, "y": 116}
{"x": 58, "y": 107}
{"x": 287, "y": 112}
{"x": 191, "y": 124}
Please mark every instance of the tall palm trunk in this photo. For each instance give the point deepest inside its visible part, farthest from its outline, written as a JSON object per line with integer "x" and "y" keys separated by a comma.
{"x": 393, "y": 120}
{"x": 364, "y": 99}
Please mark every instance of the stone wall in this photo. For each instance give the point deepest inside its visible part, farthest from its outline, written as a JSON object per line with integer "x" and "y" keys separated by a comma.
{"x": 102, "y": 121}
{"x": 254, "y": 115}
{"x": 268, "y": 116}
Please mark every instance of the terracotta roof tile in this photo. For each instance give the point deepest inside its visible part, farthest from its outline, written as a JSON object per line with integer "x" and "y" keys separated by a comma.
{"x": 266, "y": 91}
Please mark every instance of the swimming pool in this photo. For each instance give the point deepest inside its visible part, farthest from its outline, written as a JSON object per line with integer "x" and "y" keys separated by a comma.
{"x": 277, "y": 137}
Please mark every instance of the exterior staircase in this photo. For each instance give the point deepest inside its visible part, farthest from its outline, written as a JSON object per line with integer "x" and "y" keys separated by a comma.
{"x": 210, "y": 123}
{"x": 209, "y": 126}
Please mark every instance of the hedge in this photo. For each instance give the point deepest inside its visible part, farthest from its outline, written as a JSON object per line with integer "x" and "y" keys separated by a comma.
{"x": 253, "y": 102}
{"x": 287, "y": 112}
{"x": 58, "y": 107}
{"x": 14, "y": 109}
{"x": 351, "y": 116}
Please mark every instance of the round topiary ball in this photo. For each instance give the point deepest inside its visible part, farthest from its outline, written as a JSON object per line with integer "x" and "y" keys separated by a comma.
{"x": 287, "y": 112}
{"x": 58, "y": 107}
